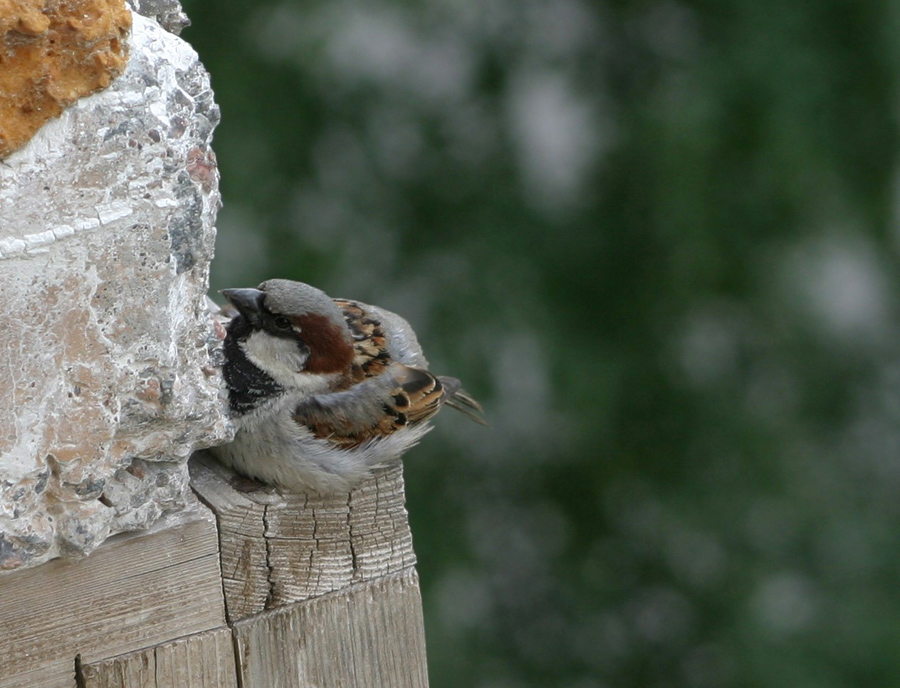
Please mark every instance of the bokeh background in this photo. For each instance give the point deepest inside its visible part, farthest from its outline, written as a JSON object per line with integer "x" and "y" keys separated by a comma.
{"x": 659, "y": 240}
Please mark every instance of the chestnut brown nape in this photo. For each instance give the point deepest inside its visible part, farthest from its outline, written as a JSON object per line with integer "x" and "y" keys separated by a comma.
{"x": 330, "y": 350}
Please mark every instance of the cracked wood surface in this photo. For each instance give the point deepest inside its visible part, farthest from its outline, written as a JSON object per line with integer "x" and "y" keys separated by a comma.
{"x": 369, "y": 635}
{"x": 135, "y": 591}
{"x": 281, "y": 548}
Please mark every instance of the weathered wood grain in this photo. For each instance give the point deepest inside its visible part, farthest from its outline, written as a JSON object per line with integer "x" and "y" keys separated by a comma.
{"x": 367, "y": 636}
{"x": 279, "y": 548}
{"x": 204, "y": 660}
{"x": 134, "y": 670}
{"x": 241, "y": 521}
{"x": 201, "y": 661}
{"x": 136, "y": 590}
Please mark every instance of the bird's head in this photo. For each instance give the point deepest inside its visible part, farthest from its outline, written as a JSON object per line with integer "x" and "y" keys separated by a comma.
{"x": 291, "y": 332}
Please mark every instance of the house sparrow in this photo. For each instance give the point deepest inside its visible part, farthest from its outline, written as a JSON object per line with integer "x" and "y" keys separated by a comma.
{"x": 322, "y": 390}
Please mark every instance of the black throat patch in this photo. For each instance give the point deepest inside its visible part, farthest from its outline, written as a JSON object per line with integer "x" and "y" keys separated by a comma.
{"x": 248, "y": 385}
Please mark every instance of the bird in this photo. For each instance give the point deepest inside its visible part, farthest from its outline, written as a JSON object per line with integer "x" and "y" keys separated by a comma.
{"x": 323, "y": 390}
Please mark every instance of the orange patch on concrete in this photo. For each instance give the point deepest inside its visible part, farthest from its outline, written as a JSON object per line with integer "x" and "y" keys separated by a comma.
{"x": 53, "y": 52}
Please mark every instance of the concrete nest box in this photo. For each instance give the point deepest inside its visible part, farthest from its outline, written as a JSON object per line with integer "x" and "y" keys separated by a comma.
{"x": 107, "y": 211}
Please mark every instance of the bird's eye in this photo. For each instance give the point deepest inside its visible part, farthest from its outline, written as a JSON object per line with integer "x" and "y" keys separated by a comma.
{"x": 282, "y": 323}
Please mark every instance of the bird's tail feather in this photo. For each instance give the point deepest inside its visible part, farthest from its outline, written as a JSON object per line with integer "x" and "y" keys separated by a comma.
{"x": 462, "y": 401}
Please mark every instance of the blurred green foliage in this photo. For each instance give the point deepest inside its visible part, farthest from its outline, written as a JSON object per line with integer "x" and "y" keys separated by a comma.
{"x": 659, "y": 240}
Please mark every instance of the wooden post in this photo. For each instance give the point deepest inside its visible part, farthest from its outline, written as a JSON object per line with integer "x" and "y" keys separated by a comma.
{"x": 321, "y": 590}
{"x": 366, "y": 636}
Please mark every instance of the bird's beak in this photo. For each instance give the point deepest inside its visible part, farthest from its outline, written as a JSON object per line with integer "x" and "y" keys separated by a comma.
{"x": 248, "y": 301}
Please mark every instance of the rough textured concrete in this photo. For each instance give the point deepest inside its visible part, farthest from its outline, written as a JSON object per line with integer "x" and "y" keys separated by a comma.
{"x": 167, "y": 12}
{"x": 106, "y": 233}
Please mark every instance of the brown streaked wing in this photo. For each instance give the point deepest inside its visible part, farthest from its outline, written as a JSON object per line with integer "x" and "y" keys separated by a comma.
{"x": 417, "y": 396}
